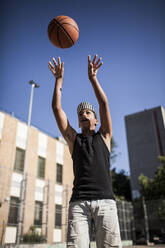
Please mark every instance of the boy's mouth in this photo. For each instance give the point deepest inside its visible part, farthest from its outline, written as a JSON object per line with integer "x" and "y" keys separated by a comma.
{"x": 84, "y": 120}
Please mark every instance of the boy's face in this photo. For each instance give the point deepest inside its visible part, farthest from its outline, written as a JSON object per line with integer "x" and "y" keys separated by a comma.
{"x": 87, "y": 119}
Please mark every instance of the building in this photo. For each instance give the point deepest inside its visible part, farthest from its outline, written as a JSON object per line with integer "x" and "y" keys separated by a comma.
{"x": 146, "y": 141}
{"x": 49, "y": 181}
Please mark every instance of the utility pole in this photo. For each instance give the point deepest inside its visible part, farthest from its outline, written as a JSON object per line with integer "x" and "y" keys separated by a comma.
{"x": 46, "y": 190}
{"x": 47, "y": 210}
{"x": 146, "y": 221}
{"x": 124, "y": 220}
{"x": 66, "y": 209}
{"x": 22, "y": 200}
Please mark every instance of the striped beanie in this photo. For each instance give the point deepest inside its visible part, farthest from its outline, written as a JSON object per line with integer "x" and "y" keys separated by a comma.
{"x": 86, "y": 105}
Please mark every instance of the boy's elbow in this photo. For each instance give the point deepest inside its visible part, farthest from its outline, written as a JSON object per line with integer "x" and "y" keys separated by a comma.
{"x": 55, "y": 109}
{"x": 104, "y": 101}
{"x": 53, "y": 105}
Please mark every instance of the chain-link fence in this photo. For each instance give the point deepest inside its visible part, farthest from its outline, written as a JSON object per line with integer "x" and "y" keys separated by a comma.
{"x": 125, "y": 214}
{"x": 149, "y": 219}
{"x": 140, "y": 221}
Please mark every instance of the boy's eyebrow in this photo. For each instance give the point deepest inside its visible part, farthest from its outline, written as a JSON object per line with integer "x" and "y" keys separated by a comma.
{"x": 85, "y": 110}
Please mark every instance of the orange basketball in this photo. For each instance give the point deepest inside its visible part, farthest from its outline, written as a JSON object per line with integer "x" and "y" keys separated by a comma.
{"x": 63, "y": 31}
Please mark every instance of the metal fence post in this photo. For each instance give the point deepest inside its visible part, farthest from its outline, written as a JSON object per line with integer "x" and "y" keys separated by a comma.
{"x": 146, "y": 221}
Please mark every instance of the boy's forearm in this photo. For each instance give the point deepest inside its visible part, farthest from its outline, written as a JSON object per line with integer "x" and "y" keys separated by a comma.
{"x": 56, "y": 101}
{"x": 100, "y": 95}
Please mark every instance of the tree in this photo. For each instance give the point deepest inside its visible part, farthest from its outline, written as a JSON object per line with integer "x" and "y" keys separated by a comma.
{"x": 32, "y": 236}
{"x": 121, "y": 184}
{"x": 154, "y": 188}
{"x": 113, "y": 152}
{"x": 153, "y": 191}
{"x": 120, "y": 180}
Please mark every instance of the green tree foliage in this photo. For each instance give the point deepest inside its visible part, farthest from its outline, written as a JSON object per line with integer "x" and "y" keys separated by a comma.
{"x": 113, "y": 152}
{"x": 32, "y": 236}
{"x": 120, "y": 180}
{"x": 121, "y": 185}
{"x": 153, "y": 189}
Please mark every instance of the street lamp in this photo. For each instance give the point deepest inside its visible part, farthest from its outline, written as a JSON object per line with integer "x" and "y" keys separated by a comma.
{"x": 23, "y": 186}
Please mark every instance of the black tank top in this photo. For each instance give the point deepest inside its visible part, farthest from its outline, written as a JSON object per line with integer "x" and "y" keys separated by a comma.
{"x": 91, "y": 169}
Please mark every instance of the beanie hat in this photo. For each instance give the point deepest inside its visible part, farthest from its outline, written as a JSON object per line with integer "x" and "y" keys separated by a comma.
{"x": 86, "y": 105}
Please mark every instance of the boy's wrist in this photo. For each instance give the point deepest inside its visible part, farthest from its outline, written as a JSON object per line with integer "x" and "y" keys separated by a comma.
{"x": 59, "y": 77}
{"x": 92, "y": 78}
{"x": 59, "y": 82}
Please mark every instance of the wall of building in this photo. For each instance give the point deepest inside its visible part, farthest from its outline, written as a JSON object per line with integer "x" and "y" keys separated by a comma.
{"x": 7, "y": 157}
{"x": 146, "y": 141}
{"x": 13, "y": 133}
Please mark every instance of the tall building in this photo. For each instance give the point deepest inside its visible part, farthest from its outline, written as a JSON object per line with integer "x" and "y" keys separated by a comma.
{"x": 49, "y": 181}
{"x": 146, "y": 141}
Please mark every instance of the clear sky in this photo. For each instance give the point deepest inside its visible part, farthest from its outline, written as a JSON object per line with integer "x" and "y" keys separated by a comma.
{"x": 128, "y": 34}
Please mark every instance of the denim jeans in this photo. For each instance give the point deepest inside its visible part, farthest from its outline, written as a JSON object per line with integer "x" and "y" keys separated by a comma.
{"x": 104, "y": 215}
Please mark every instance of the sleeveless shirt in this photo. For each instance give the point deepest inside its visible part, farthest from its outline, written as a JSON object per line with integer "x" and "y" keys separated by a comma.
{"x": 91, "y": 169}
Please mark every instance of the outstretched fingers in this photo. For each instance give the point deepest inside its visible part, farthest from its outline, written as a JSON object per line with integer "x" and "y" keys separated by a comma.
{"x": 57, "y": 68}
{"x": 98, "y": 61}
{"x": 62, "y": 66}
{"x": 51, "y": 67}
{"x": 59, "y": 62}
{"x": 90, "y": 65}
{"x": 94, "y": 59}
{"x": 55, "y": 63}
{"x": 89, "y": 59}
{"x": 98, "y": 65}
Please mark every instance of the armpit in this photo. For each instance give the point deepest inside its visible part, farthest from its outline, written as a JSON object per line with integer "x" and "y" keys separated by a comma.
{"x": 70, "y": 134}
{"x": 107, "y": 140}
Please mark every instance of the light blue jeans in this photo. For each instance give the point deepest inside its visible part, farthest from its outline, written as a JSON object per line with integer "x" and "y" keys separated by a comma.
{"x": 104, "y": 215}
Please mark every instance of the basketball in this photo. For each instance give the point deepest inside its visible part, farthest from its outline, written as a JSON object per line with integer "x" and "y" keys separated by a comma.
{"x": 63, "y": 31}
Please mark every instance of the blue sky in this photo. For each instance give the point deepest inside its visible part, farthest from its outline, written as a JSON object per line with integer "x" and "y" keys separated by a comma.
{"x": 128, "y": 34}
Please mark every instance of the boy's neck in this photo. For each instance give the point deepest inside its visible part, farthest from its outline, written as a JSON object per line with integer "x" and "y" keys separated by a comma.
{"x": 88, "y": 132}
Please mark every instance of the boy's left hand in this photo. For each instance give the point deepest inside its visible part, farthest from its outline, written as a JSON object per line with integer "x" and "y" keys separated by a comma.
{"x": 93, "y": 66}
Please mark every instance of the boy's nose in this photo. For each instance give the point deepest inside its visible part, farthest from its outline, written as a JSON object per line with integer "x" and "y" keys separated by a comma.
{"x": 84, "y": 114}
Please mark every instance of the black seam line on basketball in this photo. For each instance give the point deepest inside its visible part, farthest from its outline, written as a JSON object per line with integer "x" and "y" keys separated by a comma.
{"x": 64, "y": 30}
{"x": 51, "y": 24}
{"x": 50, "y": 30}
{"x": 58, "y": 38}
{"x": 64, "y": 18}
{"x": 70, "y": 25}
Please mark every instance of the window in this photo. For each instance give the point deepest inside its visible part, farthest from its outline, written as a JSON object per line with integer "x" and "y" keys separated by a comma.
{"x": 58, "y": 216}
{"x": 59, "y": 173}
{"x": 13, "y": 211}
{"x": 41, "y": 167}
{"x": 19, "y": 160}
{"x": 38, "y": 213}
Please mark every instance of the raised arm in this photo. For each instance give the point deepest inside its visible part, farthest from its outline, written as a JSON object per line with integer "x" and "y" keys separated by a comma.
{"x": 66, "y": 130}
{"x": 105, "y": 118}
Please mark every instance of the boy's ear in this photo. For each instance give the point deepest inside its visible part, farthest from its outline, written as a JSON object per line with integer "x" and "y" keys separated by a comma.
{"x": 97, "y": 122}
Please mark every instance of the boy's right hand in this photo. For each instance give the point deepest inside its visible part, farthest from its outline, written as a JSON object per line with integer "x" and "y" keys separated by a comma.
{"x": 57, "y": 69}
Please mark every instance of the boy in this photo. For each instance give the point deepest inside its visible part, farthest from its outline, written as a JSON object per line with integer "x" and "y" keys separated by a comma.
{"x": 92, "y": 196}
